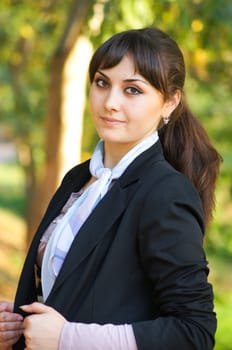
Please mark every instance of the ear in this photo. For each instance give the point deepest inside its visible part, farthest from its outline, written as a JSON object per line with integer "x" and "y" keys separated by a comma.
{"x": 171, "y": 104}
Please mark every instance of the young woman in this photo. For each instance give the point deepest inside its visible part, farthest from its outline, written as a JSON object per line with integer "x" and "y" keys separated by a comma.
{"x": 120, "y": 247}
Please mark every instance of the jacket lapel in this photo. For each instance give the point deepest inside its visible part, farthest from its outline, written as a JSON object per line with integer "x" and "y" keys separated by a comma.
{"x": 74, "y": 184}
{"x": 80, "y": 175}
{"x": 106, "y": 213}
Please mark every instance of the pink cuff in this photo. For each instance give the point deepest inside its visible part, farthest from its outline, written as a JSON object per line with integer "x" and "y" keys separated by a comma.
{"x": 83, "y": 336}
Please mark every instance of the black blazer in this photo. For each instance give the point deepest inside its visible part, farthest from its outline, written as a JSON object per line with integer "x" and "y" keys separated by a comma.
{"x": 138, "y": 258}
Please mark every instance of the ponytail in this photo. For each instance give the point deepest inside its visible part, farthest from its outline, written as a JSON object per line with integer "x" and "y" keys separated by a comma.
{"x": 158, "y": 58}
{"x": 188, "y": 148}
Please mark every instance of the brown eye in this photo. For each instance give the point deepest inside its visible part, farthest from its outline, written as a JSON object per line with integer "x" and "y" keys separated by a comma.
{"x": 102, "y": 83}
{"x": 131, "y": 90}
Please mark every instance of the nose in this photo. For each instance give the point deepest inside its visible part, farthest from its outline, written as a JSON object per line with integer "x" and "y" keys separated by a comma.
{"x": 112, "y": 100}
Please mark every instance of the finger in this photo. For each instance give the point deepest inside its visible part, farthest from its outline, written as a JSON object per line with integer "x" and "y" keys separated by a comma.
{"x": 6, "y": 306}
{"x": 9, "y": 326}
{"x": 36, "y": 308}
{"x": 10, "y": 317}
{"x": 8, "y": 344}
{"x": 10, "y": 335}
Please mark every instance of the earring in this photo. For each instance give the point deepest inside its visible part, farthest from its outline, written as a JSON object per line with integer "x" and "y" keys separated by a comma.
{"x": 166, "y": 120}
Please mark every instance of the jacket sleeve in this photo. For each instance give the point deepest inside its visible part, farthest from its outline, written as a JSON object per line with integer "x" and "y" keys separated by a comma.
{"x": 172, "y": 255}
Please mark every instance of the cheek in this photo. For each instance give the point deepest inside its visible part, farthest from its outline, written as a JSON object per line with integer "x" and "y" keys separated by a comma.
{"x": 95, "y": 101}
{"x": 155, "y": 110}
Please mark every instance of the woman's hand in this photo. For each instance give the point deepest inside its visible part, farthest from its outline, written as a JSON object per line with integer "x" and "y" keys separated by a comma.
{"x": 42, "y": 329}
{"x": 11, "y": 325}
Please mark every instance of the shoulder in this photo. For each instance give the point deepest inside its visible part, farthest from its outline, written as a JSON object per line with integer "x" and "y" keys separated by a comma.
{"x": 166, "y": 182}
{"x": 176, "y": 184}
{"x": 159, "y": 181}
{"x": 71, "y": 175}
{"x": 170, "y": 195}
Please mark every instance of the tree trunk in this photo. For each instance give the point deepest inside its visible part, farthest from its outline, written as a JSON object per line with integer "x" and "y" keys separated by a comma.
{"x": 61, "y": 113}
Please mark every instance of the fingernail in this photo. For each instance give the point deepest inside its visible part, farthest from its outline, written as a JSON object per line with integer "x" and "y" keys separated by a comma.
{"x": 22, "y": 306}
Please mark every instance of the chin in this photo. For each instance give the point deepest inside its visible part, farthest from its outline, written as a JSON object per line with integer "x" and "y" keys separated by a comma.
{"x": 110, "y": 138}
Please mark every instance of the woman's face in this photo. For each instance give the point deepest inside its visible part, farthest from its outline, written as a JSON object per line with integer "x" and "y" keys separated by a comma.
{"x": 125, "y": 107}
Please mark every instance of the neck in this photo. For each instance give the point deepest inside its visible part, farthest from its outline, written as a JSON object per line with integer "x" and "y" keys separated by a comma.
{"x": 113, "y": 154}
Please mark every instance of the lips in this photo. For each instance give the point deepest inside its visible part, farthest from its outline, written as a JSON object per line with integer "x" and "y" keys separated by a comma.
{"x": 111, "y": 121}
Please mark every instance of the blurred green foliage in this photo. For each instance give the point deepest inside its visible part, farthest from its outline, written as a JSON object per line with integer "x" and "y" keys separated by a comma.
{"x": 12, "y": 194}
{"x": 29, "y": 31}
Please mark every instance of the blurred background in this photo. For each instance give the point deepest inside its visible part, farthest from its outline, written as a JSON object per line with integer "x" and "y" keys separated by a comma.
{"x": 45, "y": 125}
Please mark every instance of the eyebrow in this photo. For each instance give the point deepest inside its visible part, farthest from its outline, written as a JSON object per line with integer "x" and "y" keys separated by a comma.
{"x": 129, "y": 80}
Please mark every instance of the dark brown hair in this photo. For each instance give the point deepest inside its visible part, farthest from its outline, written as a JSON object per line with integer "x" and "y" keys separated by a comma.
{"x": 186, "y": 144}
